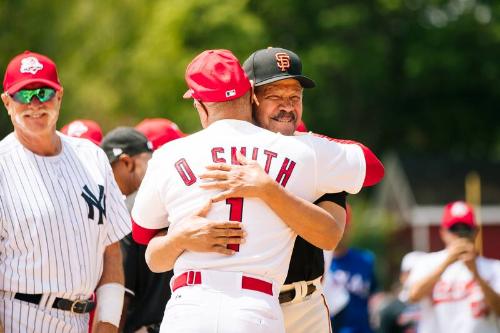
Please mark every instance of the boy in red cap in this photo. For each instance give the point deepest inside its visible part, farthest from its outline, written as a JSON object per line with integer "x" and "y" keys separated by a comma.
{"x": 458, "y": 291}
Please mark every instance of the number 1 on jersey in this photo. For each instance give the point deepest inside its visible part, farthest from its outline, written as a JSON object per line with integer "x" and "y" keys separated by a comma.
{"x": 235, "y": 214}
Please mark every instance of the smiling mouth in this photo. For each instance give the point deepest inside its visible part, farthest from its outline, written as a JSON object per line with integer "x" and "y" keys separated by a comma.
{"x": 284, "y": 118}
{"x": 281, "y": 120}
{"x": 36, "y": 115}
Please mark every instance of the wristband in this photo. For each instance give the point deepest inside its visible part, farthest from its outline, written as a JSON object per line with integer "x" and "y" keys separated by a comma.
{"x": 109, "y": 303}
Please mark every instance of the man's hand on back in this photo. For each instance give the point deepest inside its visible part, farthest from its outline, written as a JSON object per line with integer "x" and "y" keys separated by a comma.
{"x": 198, "y": 234}
{"x": 245, "y": 180}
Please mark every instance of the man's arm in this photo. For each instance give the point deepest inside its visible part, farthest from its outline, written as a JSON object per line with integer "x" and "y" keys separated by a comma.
{"x": 309, "y": 221}
{"x": 126, "y": 302}
{"x": 492, "y": 298}
{"x": 197, "y": 235}
{"x": 334, "y": 204}
{"x": 316, "y": 225}
{"x": 112, "y": 273}
{"x": 374, "y": 168}
{"x": 131, "y": 254}
{"x": 202, "y": 235}
{"x": 424, "y": 287}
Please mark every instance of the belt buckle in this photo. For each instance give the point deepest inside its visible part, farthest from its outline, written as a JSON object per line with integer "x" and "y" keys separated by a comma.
{"x": 191, "y": 277}
{"x": 76, "y": 303}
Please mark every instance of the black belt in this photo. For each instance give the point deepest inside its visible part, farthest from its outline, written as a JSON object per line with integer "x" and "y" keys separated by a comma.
{"x": 78, "y": 306}
{"x": 288, "y": 296}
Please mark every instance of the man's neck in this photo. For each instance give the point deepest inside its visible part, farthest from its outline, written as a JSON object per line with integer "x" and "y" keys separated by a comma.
{"x": 243, "y": 116}
{"x": 48, "y": 144}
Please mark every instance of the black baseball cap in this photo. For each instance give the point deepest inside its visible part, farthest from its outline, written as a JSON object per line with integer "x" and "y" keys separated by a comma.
{"x": 275, "y": 64}
{"x": 125, "y": 140}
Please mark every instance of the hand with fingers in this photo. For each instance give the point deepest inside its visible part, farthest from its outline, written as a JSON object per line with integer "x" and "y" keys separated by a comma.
{"x": 245, "y": 180}
{"x": 200, "y": 234}
{"x": 460, "y": 249}
{"x": 469, "y": 255}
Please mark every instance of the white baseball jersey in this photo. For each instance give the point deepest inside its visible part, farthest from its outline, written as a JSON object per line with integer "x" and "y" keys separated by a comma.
{"x": 306, "y": 165}
{"x": 457, "y": 303}
{"x": 57, "y": 215}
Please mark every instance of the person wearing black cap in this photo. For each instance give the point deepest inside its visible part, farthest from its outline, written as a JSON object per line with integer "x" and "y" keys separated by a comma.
{"x": 277, "y": 74}
{"x": 238, "y": 291}
{"x": 278, "y": 80}
{"x": 128, "y": 152}
{"x": 277, "y": 77}
{"x": 146, "y": 293}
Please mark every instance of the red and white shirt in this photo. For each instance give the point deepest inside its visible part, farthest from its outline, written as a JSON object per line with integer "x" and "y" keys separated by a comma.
{"x": 457, "y": 304}
{"x": 306, "y": 165}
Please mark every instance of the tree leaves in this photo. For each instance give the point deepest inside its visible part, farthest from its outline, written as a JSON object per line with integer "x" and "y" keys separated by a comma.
{"x": 414, "y": 76}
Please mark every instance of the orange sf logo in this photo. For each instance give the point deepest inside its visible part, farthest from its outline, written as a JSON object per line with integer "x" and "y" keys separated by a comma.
{"x": 283, "y": 61}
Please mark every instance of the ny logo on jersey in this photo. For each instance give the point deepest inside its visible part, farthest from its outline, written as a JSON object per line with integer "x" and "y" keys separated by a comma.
{"x": 92, "y": 201}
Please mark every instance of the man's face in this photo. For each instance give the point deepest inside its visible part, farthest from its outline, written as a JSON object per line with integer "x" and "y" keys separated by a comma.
{"x": 457, "y": 231}
{"x": 130, "y": 170}
{"x": 141, "y": 164}
{"x": 280, "y": 106}
{"x": 35, "y": 117}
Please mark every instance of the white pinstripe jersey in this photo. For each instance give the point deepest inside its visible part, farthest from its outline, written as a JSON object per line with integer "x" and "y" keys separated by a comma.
{"x": 57, "y": 215}
{"x": 306, "y": 165}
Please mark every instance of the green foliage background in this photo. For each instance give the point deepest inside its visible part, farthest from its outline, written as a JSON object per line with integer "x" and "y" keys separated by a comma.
{"x": 418, "y": 76}
{"x": 414, "y": 76}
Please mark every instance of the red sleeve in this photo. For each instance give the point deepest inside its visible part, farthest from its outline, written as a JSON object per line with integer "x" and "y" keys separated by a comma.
{"x": 374, "y": 168}
{"x": 142, "y": 235}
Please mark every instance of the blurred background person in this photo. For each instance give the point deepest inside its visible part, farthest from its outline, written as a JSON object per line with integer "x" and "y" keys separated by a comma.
{"x": 159, "y": 131}
{"x": 147, "y": 293}
{"x": 84, "y": 128}
{"x": 350, "y": 282}
{"x": 457, "y": 289}
{"x": 396, "y": 314}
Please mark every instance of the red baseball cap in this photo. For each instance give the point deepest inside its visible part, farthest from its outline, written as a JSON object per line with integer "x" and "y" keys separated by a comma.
{"x": 216, "y": 76}
{"x": 84, "y": 128}
{"x": 27, "y": 68}
{"x": 458, "y": 212}
{"x": 159, "y": 131}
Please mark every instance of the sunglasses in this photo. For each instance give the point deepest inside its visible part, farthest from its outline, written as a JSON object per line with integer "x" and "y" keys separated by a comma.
{"x": 25, "y": 96}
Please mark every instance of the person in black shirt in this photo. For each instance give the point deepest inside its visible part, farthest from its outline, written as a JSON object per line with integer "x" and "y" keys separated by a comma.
{"x": 307, "y": 311}
{"x": 301, "y": 297}
{"x": 147, "y": 293}
{"x": 302, "y": 300}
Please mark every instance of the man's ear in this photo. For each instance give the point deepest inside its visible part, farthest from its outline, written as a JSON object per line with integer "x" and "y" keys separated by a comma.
{"x": 6, "y": 101}
{"x": 60, "y": 93}
{"x": 202, "y": 113}
{"x": 128, "y": 162}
